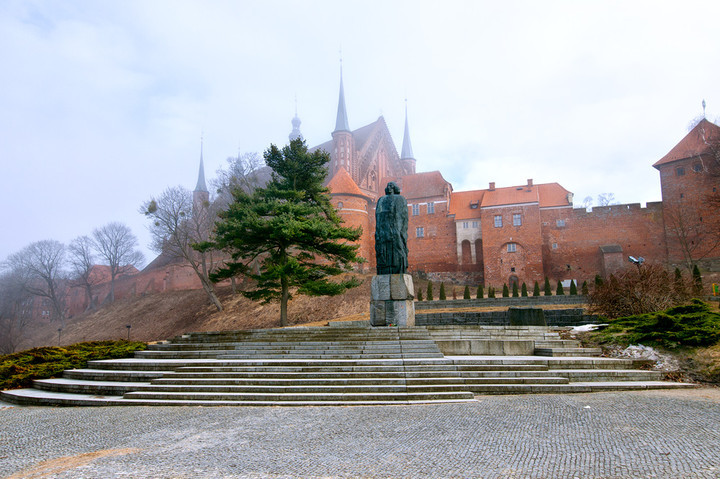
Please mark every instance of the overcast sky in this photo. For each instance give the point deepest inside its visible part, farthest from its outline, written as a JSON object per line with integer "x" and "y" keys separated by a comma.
{"x": 102, "y": 103}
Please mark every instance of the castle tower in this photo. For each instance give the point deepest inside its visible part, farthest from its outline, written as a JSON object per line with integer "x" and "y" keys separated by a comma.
{"x": 406, "y": 156}
{"x": 201, "y": 195}
{"x": 343, "y": 145}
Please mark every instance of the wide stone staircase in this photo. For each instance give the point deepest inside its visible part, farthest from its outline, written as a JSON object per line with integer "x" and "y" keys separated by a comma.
{"x": 353, "y": 365}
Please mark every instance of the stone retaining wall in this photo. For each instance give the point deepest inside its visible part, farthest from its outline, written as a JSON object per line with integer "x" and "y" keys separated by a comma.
{"x": 495, "y": 302}
{"x": 557, "y": 317}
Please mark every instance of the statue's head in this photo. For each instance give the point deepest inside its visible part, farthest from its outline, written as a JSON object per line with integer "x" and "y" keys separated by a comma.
{"x": 392, "y": 189}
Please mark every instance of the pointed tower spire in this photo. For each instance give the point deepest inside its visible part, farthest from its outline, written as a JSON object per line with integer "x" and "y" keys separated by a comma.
{"x": 201, "y": 186}
{"x": 341, "y": 124}
{"x": 407, "y": 152}
{"x": 295, "y": 133}
{"x": 406, "y": 156}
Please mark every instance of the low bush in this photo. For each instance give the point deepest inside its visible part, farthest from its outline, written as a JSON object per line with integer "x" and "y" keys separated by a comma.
{"x": 19, "y": 369}
{"x": 690, "y": 325}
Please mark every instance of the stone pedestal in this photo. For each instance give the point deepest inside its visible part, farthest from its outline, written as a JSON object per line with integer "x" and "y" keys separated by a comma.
{"x": 392, "y": 300}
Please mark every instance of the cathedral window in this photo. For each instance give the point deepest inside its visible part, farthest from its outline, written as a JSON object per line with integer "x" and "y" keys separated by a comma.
{"x": 517, "y": 220}
{"x": 420, "y": 232}
{"x": 498, "y": 221}
{"x": 512, "y": 247}
{"x": 340, "y": 205}
{"x": 416, "y": 210}
{"x": 431, "y": 208}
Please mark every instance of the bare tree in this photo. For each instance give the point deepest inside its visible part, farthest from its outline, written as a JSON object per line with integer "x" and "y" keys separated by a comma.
{"x": 245, "y": 171}
{"x": 15, "y": 312}
{"x": 695, "y": 236}
{"x": 82, "y": 260}
{"x": 40, "y": 269}
{"x": 115, "y": 244}
{"x": 177, "y": 225}
{"x": 606, "y": 199}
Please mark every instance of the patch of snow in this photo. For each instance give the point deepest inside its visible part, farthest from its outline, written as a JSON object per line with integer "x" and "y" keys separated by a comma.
{"x": 663, "y": 362}
{"x": 586, "y": 327}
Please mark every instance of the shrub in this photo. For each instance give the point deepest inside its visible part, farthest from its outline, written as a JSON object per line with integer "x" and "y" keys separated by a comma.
{"x": 480, "y": 293}
{"x": 429, "y": 292}
{"x": 515, "y": 289}
{"x": 598, "y": 281}
{"x": 585, "y": 291}
{"x": 523, "y": 290}
{"x": 536, "y": 289}
{"x": 548, "y": 291}
{"x": 506, "y": 291}
{"x": 419, "y": 294}
{"x": 466, "y": 293}
{"x": 687, "y": 325}
{"x": 491, "y": 292}
{"x": 697, "y": 286}
{"x": 442, "y": 292}
{"x": 635, "y": 291}
{"x": 19, "y": 369}
{"x": 573, "y": 288}
{"x": 560, "y": 291}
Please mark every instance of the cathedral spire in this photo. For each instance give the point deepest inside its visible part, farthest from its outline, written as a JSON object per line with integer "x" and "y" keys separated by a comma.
{"x": 341, "y": 124}
{"x": 407, "y": 152}
{"x": 201, "y": 186}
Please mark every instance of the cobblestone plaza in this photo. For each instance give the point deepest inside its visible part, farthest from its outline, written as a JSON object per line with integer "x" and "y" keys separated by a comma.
{"x": 662, "y": 434}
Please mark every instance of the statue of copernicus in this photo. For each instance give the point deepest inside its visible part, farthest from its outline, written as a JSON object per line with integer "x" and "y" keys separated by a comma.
{"x": 391, "y": 223}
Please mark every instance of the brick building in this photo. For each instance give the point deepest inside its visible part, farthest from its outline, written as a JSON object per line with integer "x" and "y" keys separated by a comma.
{"x": 527, "y": 232}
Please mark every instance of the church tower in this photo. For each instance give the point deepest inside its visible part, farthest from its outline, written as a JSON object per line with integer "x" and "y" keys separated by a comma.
{"x": 343, "y": 144}
{"x": 201, "y": 195}
{"x": 295, "y": 133}
{"x": 406, "y": 156}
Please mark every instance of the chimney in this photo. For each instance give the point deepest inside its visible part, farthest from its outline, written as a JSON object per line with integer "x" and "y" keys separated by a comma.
{"x": 530, "y": 183}
{"x": 492, "y": 186}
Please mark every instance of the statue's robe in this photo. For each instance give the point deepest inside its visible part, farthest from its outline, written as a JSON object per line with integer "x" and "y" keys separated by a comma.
{"x": 391, "y": 223}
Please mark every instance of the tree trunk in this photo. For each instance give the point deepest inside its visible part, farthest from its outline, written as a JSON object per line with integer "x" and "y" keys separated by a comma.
{"x": 283, "y": 302}
{"x": 210, "y": 291}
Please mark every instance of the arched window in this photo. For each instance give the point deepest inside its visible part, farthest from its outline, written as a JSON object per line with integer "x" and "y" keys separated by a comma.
{"x": 340, "y": 205}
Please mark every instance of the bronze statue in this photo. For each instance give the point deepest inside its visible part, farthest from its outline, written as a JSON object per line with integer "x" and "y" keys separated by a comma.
{"x": 391, "y": 223}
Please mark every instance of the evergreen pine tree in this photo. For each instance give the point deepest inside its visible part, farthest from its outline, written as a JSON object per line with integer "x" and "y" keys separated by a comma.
{"x": 523, "y": 290}
{"x": 598, "y": 281}
{"x": 480, "y": 293}
{"x": 679, "y": 284}
{"x": 419, "y": 294}
{"x": 585, "y": 291}
{"x": 515, "y": 289}
{"x": 548, "y": 290}
{"x": 466, "y": 293}
{"x": 491, "y": 292}
{"x": 506, "y": 291}
{"x": 442, "y": 292}
{"x": 573, "y": 288}
{"x": 289, "y": 230}
{"x": 536, "y": 289}
{"x": 560, "y": 291}
{"x": 697, "y": 282}
{"x": 429, "y": 292}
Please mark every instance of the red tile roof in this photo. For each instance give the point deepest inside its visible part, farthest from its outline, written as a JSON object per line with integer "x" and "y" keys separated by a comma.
{"x": 342, "y": 182}
{"x": 552, "y": 194}
{"x": 461, "y": 201}
{"x": 420, "y": 185}
{"x": 695, "y": 143}
{"x": 511, "y": 195}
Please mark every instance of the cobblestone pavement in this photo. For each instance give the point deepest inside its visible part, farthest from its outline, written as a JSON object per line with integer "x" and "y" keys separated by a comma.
{"x": 663, "y": 434}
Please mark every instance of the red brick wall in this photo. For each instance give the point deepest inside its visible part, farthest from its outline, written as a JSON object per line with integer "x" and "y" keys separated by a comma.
{"x": 638, "y": 231}
{"x": 436, "y": 250}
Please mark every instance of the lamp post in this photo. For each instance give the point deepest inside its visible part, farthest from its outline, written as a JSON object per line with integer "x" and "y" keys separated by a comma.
{"x": 128, "y": 328}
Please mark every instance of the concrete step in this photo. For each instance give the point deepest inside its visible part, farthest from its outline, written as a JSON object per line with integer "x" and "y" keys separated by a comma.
{"x": 572, "y": 352}
{"x": 576, "y": 387}
{"x": 111, "y": 375}
{"x": 302, "y": 397}
{"x": 104, "y": 388}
